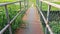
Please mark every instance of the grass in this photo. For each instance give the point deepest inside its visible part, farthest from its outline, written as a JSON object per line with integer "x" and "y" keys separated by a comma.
{"x": 32, "y": 2}
{"x": 57, "y": 2}
{"x": 16, "y": 24}
{"x": 12, "y": 10}
{"x": 7, "y": 1}
{"x": 54, "y": 17}
{"x": 45, "y": 7}
{"x": 54, "y": 21}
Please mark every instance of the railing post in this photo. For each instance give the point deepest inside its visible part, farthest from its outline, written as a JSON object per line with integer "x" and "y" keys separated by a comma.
{"x": 46, "y": 30}
{"x": 49, "y": 7}
{"x": 41, "y": 5}
{"x": 8, "y": 20}
{"x": 37, "y": 2}
{"x": 24, "y": 4}
{"x": 48, "y": 12}
{"x": 20, "y": 5}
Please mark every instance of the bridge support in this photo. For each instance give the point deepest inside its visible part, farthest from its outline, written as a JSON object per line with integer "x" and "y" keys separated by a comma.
{"x": 8, "y": 19}
{"x": 48, "y": 12}
{"x": 26, "y": 4}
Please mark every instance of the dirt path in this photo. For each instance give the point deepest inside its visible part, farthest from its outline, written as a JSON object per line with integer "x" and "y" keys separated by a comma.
{"x": 33, "y": 25}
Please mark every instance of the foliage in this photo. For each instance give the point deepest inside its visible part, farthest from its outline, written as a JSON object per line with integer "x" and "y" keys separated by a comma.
{"x": 1, "y": 1}
{"x": 55, "y": 27}
{"x": 45, "y": 7}
{"x": 12, "y": 10}
{"x": 54, "y": 21}
{"x": 32, "y": 2}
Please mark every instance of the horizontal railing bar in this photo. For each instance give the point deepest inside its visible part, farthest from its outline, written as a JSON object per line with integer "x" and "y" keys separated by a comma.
{"x": 47, "y": 25}
{"x": 52, "y": 4}
{"x": 3, "y": 4}
{"x": 4, "y": 28}
{"x": 9, "y": 23}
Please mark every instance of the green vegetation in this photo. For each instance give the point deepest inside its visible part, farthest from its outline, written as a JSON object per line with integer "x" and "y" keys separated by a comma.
{"x": 13, "y": 9}
{"x": 32, "y": 2}
{"x": 54, "y": 18}
{"x": 54, "y": 21}
{"x": 55, "y": 25}
{"x": 57, "y": 2}
{"x": 45, "y": 6}
{"x": 2, "y": 1}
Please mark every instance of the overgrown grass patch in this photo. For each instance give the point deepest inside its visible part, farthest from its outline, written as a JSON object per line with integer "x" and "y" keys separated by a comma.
{"x": 12, "y": 10}
{"x": 54, "y": 21}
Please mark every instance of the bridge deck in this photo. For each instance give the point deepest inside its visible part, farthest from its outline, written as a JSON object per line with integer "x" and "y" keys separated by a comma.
{"x": 33, "y": 25}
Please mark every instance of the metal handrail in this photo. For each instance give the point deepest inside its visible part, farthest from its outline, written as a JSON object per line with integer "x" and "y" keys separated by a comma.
{"x": 46, "y": 20}
{"x": 7, "y": 3}
{"x": 52, "y": 4}
{"x": 8, "y": 19}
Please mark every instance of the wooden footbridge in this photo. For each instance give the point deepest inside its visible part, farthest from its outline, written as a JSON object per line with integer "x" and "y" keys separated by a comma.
{"x": 32, "y": 18}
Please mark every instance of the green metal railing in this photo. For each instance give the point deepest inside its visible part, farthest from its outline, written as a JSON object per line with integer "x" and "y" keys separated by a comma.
{"x": 7, "y": 15}
{"x": 46, "y": 19}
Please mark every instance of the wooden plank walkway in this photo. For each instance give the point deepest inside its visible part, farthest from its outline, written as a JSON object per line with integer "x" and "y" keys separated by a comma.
{"x": 33, "y": 24}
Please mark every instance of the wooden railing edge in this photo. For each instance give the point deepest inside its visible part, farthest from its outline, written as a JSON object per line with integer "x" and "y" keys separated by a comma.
{"x": 52, "y": 4}
{"x": 7, "y": 3}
